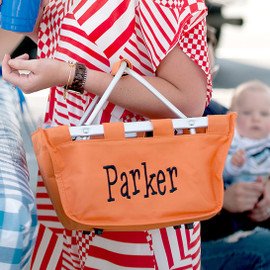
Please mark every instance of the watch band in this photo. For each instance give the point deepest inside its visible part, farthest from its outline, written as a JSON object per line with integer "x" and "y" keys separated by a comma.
{"x": 79, "y": 78}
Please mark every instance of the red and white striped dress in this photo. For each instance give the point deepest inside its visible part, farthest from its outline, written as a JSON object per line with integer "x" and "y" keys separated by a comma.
{"x": 99, "y": 33}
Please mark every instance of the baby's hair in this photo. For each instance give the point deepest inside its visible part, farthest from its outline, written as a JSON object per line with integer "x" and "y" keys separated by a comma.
{"x": 245, "y": 87}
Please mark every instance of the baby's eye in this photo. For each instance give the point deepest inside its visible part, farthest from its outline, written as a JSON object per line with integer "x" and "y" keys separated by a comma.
{"x": 246, "y": 113}
{"x": 265, "y": 114}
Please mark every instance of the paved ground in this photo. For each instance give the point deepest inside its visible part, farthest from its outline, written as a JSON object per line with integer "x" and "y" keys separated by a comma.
{"x": 243, "y": 53}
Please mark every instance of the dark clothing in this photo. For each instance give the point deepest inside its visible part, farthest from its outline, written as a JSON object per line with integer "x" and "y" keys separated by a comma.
{"x": 225, "y": 223}
{"x": 215, "y": 108}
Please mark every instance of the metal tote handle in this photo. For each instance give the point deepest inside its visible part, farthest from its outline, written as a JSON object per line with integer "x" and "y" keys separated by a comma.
{"x": 124, "y": 69}
{"x": 103, "y": 99}
{"x": 155, "y": 92}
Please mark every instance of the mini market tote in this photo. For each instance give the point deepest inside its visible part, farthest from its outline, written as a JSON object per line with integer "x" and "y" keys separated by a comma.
{"x": 128, "y": 182}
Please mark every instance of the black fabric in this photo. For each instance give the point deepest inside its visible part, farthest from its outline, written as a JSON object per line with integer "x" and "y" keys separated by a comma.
{"x": 26, "y": 46}
{"x": 226, "y": 223}
{"x": 215, "y": 108}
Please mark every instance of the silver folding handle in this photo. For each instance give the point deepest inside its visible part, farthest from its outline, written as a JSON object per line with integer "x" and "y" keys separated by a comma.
{"x": 103, "y": 99}
{"x": 95, "y": 106}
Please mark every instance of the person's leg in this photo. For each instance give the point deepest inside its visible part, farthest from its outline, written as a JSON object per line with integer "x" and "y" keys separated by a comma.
{"x": 250, "y": 252}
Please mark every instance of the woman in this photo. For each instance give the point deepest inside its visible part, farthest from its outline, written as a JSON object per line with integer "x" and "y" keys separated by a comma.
{"x": 166, "y": 43}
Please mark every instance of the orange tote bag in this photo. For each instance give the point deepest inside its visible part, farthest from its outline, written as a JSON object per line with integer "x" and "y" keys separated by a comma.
{"x": 135, "y": 182}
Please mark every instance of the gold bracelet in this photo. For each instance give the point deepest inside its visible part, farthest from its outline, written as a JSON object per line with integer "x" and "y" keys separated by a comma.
{"x": 71, "y": 65}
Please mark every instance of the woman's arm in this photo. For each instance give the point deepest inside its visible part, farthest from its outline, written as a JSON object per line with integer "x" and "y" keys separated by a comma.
{"x": 9, "y": 42}
{"x": 178, "y": 78}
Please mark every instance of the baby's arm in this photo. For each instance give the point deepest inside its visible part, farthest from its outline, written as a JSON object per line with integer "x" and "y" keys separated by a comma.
{"x": 238, "y": 158}
{"x": 234, "y": 163}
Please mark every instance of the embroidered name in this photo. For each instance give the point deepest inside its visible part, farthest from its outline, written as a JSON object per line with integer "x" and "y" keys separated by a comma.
{"x": 139, "y": 180}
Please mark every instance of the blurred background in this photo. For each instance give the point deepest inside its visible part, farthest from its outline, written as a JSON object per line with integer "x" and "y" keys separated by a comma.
{"x": 243, "y": 48}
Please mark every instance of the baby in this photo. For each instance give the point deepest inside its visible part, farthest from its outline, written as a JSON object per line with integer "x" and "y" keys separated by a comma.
{"x": 249, "y": 154}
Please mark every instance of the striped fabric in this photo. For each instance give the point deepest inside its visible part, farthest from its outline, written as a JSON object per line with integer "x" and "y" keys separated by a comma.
{"x": 99, "y": 33}
{"x": 18, "y": 216}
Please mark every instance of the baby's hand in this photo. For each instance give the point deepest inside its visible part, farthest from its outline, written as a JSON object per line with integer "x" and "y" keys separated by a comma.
{"x": 238, "y": 158}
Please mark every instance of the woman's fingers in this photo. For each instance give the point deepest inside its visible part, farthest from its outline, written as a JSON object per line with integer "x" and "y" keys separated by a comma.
{"x": 11, "y": 70}
{"x": 6, "y": 67}
{"x": 20, "y": 63}
{"x": 242, "y": 196}
{"x": 35, "y": 74}
{"x": 9, "y": 65}
{"x": 24, "y": 56}
{"x": 259, "y": 214}
{"x": 6, "y": 58}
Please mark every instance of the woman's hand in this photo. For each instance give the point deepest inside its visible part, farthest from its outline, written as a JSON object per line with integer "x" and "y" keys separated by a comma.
{"x": 242, "y": 196}
{"x": 261, "y": 210}
{"x": 33, "y": 75}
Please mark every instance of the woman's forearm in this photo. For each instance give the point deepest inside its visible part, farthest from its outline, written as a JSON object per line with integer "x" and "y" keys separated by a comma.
{"x": 9, "y": 42}
{"x": 178, "y": 78}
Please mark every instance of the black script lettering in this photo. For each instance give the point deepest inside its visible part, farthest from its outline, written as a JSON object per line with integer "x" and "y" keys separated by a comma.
{"x": 134, "y": 173}
{"x": 124, "y": 188}
{"x": 171, "y": 170}
{"x": 111, "y": 183}
{"x": 148, "y": 184}
{"x": 151, "y": 183}
{"x": 161, "y": 180}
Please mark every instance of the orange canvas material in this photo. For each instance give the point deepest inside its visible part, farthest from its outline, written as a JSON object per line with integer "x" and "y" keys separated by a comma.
{"x": 119, "y": 183}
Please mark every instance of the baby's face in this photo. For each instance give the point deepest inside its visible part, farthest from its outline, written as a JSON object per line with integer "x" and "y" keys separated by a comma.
{"x": 253, "y": 115}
